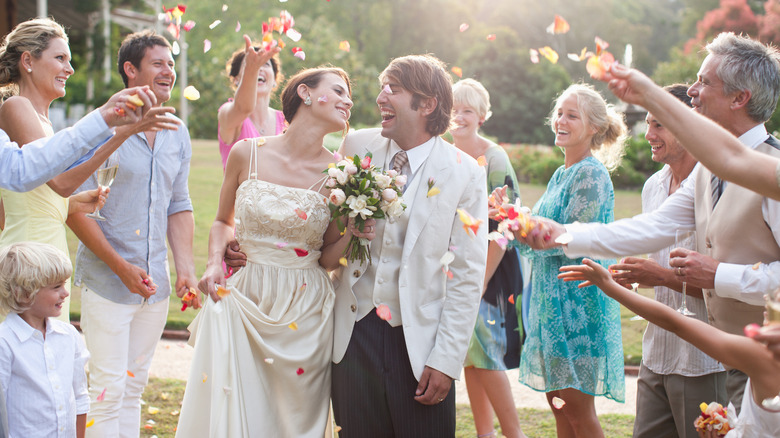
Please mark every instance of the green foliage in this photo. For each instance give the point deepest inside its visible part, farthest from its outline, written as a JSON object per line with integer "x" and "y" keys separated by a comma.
{"x": 534, "y": 164}
{"x": 680, "y": 68}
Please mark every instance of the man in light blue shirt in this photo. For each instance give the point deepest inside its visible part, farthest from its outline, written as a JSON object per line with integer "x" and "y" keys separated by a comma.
{"x": 123, "y": 313}
{"x": 23, "y": 169}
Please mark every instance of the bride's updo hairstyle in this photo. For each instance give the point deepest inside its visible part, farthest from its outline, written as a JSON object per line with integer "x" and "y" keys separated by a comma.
{"x": 310, "y": 77}
{"x": 31, "y": 36}
{"x": 609, "y": 142}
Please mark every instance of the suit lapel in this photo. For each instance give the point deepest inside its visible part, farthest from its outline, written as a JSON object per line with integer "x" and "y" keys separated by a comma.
{"x": 423, "y": 207}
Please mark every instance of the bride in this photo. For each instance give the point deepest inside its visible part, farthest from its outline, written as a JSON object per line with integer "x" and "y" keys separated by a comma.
{"x": 263, "y": 341}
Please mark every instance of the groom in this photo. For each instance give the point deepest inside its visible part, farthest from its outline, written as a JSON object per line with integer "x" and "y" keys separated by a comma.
{"x": 394, "y": 377}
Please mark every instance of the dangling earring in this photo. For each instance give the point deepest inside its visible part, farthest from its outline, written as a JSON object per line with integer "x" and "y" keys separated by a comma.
{"x": 307, "y": 101}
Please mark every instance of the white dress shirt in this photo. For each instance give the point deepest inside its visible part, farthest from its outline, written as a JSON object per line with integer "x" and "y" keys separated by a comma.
{"x": 650, "y": 232}
{"x": 44, "y": 379}
{"x": 663, "y": 352}
{"x": 23, "y": 169}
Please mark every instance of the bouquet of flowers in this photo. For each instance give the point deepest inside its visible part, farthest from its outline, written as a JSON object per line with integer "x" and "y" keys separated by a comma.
{"x": 360, "y": 190}
{"x": 714, "y": 417}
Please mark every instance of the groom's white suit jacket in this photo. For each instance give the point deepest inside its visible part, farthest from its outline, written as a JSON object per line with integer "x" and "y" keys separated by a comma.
{"x": 438, "y": 313}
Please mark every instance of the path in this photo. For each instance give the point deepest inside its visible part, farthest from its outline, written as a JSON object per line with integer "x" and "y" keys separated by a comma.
{"x": 172, "y": 361}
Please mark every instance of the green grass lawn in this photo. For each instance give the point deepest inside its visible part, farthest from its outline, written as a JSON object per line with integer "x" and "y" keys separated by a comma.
{"x": 163, "y": 403}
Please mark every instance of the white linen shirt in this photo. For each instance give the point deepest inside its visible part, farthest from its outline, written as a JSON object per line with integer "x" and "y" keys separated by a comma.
{"x": 663, "y": 352}
{"x": 649, "y": 232}
{"x": 44, "y": 379}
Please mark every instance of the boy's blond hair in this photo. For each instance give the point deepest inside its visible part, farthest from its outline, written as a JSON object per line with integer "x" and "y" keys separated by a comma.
{"x": 26, "y": 268}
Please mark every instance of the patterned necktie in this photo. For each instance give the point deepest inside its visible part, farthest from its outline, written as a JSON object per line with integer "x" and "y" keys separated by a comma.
{"x": 717, "y": 189}
{"x": 399, "y": 161}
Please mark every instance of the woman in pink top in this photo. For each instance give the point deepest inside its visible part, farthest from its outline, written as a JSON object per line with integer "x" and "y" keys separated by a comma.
{"x": 248, "y": 115}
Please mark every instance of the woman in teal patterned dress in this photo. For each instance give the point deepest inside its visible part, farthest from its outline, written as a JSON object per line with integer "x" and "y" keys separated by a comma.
{"x": 495, "y": 344}
{"x": 573, "y": 350}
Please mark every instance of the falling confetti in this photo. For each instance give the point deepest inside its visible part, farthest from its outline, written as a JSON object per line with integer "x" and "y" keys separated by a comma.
{"x": 323, "y": 99}
{"x": 238, "y": 25}
{"x": 344, "y": 45}
{"x": 558, "y": 402}
{"x": 628, "y": 56}
{"x": 598, "y": 66}
{"x": 303, "y": 288}
{"x": 91, "y": 422}
{"x": 221, "y": 291}
{"x": 269, "y": 360}
{"x": 300, "y": 55}
{"x": 491, "y": 37}
{"x": 549, "y": 53}
{"x": 383, "y": 312}
{"x": 458, "y": 71}
{"x": 577, "y": 58}
{"x": 130, "y": 373}
{"x": 601, "y": 45}
{"x": 295, "y": 35}
{"x": 302, "y": 214}
{"x": 534, "y": 55}
{"x": 206, "y": 46}
{"x": 387, "y": 89}
{"x": 301, "y": 252}
{"x": 215, "y": 24}
{"x": 433, "y": 191}
{"x": 293, "y": 326}
{"x": 482, "y": 161}
{"x": 299, "y": 371}
{"x": 137, "y": 232}
{"x": 457, "y": 155}
{"x": 751, "y": 330}
{"x": 558, "y": 26}
{"x": 755, "y": 267}
{"x": 469, "y": 223}
{"x": 343, "y": 261}
{"x": 281, "y": 245}
{"x": 175, "y": 49}
{"x": 102, "y": 396}
{"x": 205, "y": 377}
{"x": 491, "y": 321}
{"x": 463, "y": 27}
{"x": 224, "y": 8}
{"x": 191, "y": 93}
{"x": 188, "y": 25}
{"x": 511, "y": 299}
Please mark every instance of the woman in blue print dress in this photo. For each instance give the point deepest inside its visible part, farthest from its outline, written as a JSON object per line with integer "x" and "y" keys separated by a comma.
{"x": 573, "y": 350}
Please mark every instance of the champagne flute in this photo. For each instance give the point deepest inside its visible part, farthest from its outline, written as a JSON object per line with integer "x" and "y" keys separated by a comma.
{"x": 105, "y": 177}
{"x": 685, "y": 239}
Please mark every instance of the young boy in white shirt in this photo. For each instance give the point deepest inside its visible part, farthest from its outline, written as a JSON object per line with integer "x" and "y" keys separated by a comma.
{"x": 41, "y": 359}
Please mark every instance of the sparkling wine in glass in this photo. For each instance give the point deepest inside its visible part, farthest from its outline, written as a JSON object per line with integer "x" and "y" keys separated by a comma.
{"x": 685, "y": 239}
{"x": 105, "y": 177}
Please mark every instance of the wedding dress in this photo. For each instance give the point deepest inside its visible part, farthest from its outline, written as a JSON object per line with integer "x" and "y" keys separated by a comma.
{"x": 261, "y": 366}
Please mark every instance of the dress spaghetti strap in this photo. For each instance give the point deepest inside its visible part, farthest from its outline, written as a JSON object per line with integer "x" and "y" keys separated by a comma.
{"x": 253, "y": 158}
{"x": 321, "y": 182}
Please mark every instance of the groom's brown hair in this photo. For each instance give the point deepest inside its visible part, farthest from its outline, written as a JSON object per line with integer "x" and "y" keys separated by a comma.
{"x": 426, "y": 77}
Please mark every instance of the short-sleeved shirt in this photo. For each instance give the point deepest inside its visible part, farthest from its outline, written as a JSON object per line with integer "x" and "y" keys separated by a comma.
{"x": 151, "y": 185}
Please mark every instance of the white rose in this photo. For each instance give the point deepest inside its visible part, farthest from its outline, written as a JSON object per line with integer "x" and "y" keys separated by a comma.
{"x": 330, "y": 183}
{"x": 350, "y": 169}
{"x": 338, "y": 175}
{"x": 395, "y": 209}
{"x": 400, "y": 180}
{"x": 382, "y": 181}
{"x": 392, "y": 173}
{"x": 359, "y": 206}
{"x": 337, "y": 196}
{"x": 389, "y": 195}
